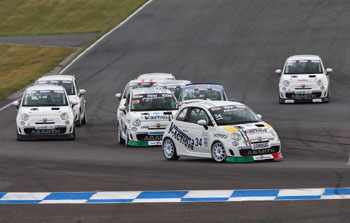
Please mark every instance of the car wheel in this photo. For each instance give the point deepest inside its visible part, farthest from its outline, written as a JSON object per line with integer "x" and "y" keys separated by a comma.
{"x": 120, "y": 139}
{"x": 218, "y": 152}
{"x": 169, "y": 150}
{"x": 73, "y": 134}
{"x": 78, "y": 122}
{"x": 84, "y": 122}
{"x": 126, "y": 138}
{"x": 19, "y": 137}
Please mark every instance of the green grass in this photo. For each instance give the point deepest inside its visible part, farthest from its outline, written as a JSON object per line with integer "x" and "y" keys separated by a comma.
{"x": 21, "y": 65}
{"x": 38, "y": 17}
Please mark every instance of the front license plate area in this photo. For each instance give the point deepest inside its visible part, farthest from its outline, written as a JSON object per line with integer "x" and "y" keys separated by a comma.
{"x": 303, "y": 92}
{"x": 260, "y": 145}
{"x": 303, "y": 96}
{"x": 45, "y": 127}
{"x": 45, "y": 132}
{"x": 263, "y": 157}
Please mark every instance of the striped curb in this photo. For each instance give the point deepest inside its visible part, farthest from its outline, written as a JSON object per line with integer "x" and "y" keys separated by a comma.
{"x": 173, "y": 196}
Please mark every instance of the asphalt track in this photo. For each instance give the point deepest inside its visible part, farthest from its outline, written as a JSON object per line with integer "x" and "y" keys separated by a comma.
{"x": 238, "y": 43}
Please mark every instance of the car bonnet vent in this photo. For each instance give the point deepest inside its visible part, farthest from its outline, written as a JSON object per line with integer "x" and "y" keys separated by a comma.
{"x": 55, "y": 108}
{"x": 312, "y": 75}
{"x": 167, "y": 113}
{"x": 145, "y": 113}
{"x": 34, "y": 109}
{"x": 259, "y": 125}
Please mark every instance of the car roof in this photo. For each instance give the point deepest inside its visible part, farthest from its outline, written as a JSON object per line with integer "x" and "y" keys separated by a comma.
{"x": 45, "y": 87}
{"x": 56, "y": 77}
{"x": 173, "y": 82}
{"x": 149, "y": 91}
{"x": 200, "y": 85}
{"x": 156, "y": 75}
{"x": 304, "y": 57}
{"x": 147, "y": 80}
{"x": 209, "y": 104}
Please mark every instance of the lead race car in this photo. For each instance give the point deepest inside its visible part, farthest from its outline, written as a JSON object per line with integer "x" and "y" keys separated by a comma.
{"x": 304, "y": 79}
{"x": 45, "y": 112}
{"x": 222, "y": 130}
{"x": 146, "y": 114}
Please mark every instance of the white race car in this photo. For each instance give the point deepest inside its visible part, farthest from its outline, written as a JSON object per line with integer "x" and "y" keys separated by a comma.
{"x": 222, "y": 130}
{"x": 175, "y": 86}
{"x": 156, "y": 76}
{"x": 202, "y": 91}
{"x": 45, "y": 112}
{"x": 75, "y": 94}
{"x": 145, "y": 116}
{"x": 304, "y": 79}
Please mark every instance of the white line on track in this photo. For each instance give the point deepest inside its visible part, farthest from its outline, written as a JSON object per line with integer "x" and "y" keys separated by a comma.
{"x": 105, "y": 35}
{"x": 95, "y": 43}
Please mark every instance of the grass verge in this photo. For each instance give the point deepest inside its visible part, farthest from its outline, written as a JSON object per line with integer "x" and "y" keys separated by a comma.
{"x": 21, "y": 65}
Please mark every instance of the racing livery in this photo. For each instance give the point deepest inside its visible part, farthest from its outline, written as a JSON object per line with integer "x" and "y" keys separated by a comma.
{"x": 146, "y": 114}
{"x": 202, "y": 91}
{"x": 45, "y": 112}
{"x": 75, "y": 94}
{"x": 222, "y": 130}
{"x": 304, "y": 79}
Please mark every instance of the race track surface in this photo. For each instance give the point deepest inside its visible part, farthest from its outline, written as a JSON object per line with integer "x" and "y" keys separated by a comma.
{"x": 238, "y": 43}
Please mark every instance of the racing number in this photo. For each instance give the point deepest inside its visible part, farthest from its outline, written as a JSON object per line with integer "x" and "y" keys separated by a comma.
{"x": 198, "y": 142}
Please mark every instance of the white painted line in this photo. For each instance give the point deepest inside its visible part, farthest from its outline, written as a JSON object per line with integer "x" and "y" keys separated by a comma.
{"x": 105, "y": 35}
{"x": 333, "y": 197}
{"x": 157, "y": 200}
{"x": 115, "y": 195}
{"x": 24, "y": 196}
{"x": 63, "y": 202}
{"x": 208, "y": 194}
{"x": 267, "y": 198}
{"x": 6, "y": 106}
{"x": 301, "y": 192}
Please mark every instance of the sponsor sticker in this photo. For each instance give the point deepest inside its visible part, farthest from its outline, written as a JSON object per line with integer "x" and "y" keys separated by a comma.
{"x": 260, "y": 145}
{"x": 222, "y": 136}
{"x": 263, "y": 157}
{"x": 155, "y": 143}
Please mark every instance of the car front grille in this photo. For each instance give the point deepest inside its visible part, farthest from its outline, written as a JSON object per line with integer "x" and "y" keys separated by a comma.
{"x": 56, "y": 131}
{"x": 147, "y": 137}
{"x": 254, "y": 152}
{"x": 303, "y": 96}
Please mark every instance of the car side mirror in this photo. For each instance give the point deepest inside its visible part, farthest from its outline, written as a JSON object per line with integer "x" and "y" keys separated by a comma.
{"x": 122, "y": 108}
{"x": 82, "y": 91}
{"x": 278, "y": 71}
{"x": 74, "y": 103}
{"x": 329, "y": 70}
{"x": 232, "y": 99}
{"x": 118, "y": 95}
{"x": 259, "y": 116}
{"x": 203, "y": 123}
{"x": 16, "y": 104}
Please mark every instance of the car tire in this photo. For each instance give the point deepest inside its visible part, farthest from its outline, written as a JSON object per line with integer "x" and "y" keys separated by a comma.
{"x": 126, "y": 138}
{"x": 73, "y": 134}
{"x": 169, "y": 149}
{"x": 120, "y": 139}
{"x": 84, "y": 121}
{"x": 19, "y": 137}
{"x": 78, "y": 122}
{"x": 218, "y": 152}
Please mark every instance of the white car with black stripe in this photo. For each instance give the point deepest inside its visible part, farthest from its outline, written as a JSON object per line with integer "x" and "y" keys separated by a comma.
{"x": 45, "y": 112}
{"x": 145, "y": 115}
{"x": 223, "y": 130}
{"x": 304, "y": 79}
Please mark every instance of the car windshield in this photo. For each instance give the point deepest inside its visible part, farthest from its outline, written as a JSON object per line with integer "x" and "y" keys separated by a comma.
{"x": 233, "y": 114}
{"x": 303, "y": 67}
{"x": 213, "y": 94}
{"x": 45, "y": 98}
{"x": 153, "y": 102}
{"x": 68, "y": 85}
{"x": 138, "y": 85}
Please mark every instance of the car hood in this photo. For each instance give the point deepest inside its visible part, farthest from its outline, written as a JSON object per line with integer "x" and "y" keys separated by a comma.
{"x": 251, "y": 132}
{"x": 302, "y": 78}
{"x": 46, "y": 111}
{"x": 152, "y": 116}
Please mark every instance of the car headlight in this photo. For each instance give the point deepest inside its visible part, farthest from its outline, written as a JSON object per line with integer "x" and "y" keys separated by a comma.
{"x": 64, "y": 116}
{"x": 236, "y": 136}
{"x": 320, "y": 82}
{"x": 286, "y": 83}
{"x": 25, "y": 117}
{"x": 136, "y": 122}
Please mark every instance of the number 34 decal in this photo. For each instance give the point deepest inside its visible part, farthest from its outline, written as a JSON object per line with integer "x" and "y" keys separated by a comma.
{"x": 198, "y": 142}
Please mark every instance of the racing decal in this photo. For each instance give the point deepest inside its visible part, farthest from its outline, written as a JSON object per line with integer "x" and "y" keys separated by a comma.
{"x": 222, "y": 136}
{"x": 245, "y": 138}
{"x": 267, "y": 125}
{"x": 230, "y": 129}
{"x": 181, "y": 136}
{"x": 254, "y": 131}
{"x": 160, "y": 117}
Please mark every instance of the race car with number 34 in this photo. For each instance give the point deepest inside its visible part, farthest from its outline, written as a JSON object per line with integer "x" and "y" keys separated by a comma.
{"x": 223, "y": 130}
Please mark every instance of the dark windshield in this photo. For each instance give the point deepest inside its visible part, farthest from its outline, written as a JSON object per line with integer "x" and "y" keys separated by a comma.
{"x": 303, "y": 67}
{"x": 45, "y": 98}
{"x": 138, "y": 85}
{"x": 203, "y": 93}
{"x": 153, "y": 102}
{"x": 233, "y": 114}
{"x": 68, "y": 85}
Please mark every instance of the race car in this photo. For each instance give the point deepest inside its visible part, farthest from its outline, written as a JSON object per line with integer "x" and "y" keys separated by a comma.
{"x": 202, "y": 91}
{"x": 45, "y": 112}
{"x": 146, "y": 114}
{"x": 174, "y": 86}
{"x": 225, "y": 131}
{"x": 304, "y": 79}
{"x": 156, "y": 76}
{"x": 133, "y": 84}
{"x": 75, "y": 94}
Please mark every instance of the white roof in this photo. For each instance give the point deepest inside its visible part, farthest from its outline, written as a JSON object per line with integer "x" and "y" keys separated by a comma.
{"x": 45, "y": 88}
{"x": 146, "y": 80}
{"x": 56, "y": 78}
{"x": 150, "y": 91}
{"x": 173, "y": 82}
{"x": 209, "y": 104}
{"x": 156, "y": 75}
{"x": 304, "y": 57}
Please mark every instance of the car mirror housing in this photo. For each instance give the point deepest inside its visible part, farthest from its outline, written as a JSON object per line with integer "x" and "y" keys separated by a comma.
{"x": 118, "y": 95}
{"x": 259, "y": 116}
{"x": 122, "y": 108}
{"x": 16, "y": 104}
{"x": 329, "y": 70}
{"x": 278, "y": 71}
{"x": 82, "y": 91}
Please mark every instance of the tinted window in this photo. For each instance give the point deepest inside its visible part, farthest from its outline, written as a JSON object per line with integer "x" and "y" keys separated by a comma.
{"x": 68, "y": 85}
{"x": 233, "y": 114}
{"x": 45, "y": 98}
{"x": 303, "y": 67}
{"x": 153, "y": 102}
{"x": 197, "y": 114}
{"x": 182, "y": 115}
